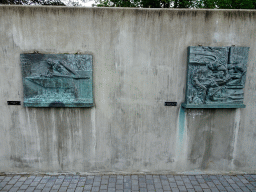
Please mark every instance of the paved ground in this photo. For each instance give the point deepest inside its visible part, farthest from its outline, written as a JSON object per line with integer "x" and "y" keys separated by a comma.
{"x": 109, "y": 183}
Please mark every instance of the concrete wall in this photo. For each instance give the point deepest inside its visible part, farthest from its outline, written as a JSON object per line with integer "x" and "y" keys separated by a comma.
{"x": 139, "y": 63}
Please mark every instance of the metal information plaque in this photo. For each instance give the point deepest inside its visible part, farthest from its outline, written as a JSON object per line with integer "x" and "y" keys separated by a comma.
{"x": 216, "y": 77}
{"x": 170, "y": 104}
{"x": 57, "y": 80}
{"x": 13, "y": 102}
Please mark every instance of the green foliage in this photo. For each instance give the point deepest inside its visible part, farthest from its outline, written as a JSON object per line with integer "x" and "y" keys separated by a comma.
{"x": 118, "y": 3}
{"x": 236, "y": 4}
{"x": 32, "y": 2}
{"x": 155, "y": 3}
{"x": 209, "y": 4}
{"x": 183, "y": 3}
{"x": 226, "y": 4}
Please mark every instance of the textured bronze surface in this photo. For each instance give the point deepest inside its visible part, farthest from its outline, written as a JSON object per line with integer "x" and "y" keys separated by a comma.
{"x": 61, "y": 80}
{"x": 216, "y": 77}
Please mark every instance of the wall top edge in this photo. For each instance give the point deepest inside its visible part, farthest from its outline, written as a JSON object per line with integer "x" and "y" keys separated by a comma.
{"x": 127, "y": 8}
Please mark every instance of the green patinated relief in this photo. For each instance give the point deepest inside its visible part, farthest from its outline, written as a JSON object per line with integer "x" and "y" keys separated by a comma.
{"x": 57, "y": 80}
{"x": 216, "y": 77}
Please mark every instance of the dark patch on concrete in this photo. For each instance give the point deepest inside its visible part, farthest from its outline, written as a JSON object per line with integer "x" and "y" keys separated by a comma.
{"x": 202, "y": 137}
{"x": 19, "y": 163}
{"x": 208, "y": 149}
{"x": 62, "y": 124}
{"x": 241, "y": 160}
{"x": 208, "y": 15}
{"x": 17, "y": 159}
{"x": 181, "y": 13}
{"x": 170, "y": 160}
{"x": 128, "y": 163}
{"x": 99, "y": 12}
{"x": 121, "y": 150}
{"x": 211, "y": 136}
{"x": 17, "y": 147}
{"x": 237, "y": 163}
{"x": 45, "y": 125}
{"x": 146, "y": 164}
{"x": 194, "y": 13}
{"x": 240, "y": 14}
{"x": 63, "y": 135}
{"x": 155, "y": 71}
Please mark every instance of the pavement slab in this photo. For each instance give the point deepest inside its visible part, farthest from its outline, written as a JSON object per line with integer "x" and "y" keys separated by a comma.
{"x": 127, "y": 183}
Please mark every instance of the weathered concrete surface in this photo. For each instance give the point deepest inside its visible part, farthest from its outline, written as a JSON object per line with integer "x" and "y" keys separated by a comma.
{"x": 139, "y": 63}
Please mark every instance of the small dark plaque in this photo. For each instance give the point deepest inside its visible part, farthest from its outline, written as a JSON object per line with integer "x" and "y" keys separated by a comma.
{"x": 170, "y": 104}
{"x": 13, "y": 102}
